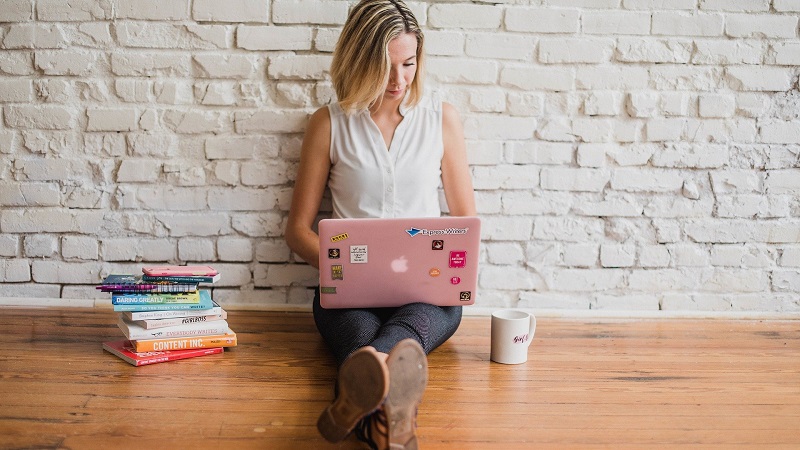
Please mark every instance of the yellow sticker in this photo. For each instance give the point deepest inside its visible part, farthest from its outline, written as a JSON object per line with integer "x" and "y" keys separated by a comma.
{"x": 339, "y": 237}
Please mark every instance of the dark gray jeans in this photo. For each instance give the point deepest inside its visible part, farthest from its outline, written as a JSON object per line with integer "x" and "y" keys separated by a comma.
{"x": 347, "y": 330}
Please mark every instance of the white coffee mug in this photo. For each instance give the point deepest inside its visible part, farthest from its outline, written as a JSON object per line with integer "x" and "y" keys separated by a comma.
{"x": 512, "y": 333}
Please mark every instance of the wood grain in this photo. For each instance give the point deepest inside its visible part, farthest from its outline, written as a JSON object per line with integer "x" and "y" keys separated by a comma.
{"x": 588, "y": 384}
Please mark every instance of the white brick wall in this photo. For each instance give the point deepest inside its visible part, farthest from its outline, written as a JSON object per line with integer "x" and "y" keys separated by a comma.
{"x": 627, "y": 155}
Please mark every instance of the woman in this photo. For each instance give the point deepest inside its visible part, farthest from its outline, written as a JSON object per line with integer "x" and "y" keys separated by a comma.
{"x": 383, "y": 150}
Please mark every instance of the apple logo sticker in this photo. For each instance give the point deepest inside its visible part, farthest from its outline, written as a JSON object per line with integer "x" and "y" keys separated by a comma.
{"x": 400, "y": 265}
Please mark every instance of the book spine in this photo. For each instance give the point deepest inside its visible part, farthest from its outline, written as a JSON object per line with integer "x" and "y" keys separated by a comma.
{"x": 176, "y": 279}
{"x": 162, "y": 314}
{"x": 159, "y": 306}
{"x": 155, "y": 345}
{"x": 151, "y": 324}
{"x": 134, "y": 332}
{"x": 130, "y": 299}
{"x": 174, "y": 356}
{"x": 149, "y": 288}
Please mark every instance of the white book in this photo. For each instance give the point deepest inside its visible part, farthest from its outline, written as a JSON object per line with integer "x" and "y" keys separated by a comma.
{"x": 135, "y": 332}
{"x": 175, "y": 321}
{"x": 163, "y": 314}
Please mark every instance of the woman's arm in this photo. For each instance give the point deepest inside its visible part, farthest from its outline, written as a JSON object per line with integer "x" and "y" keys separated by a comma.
{"x": 312, "y": 177}
{"x": 456, "y": 177}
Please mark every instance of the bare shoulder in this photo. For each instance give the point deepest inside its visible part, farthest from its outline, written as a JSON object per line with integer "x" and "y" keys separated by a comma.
{"x": 449, "y": 112}
{"x": 320, "y": 118}
{"x": 451, "y": 120}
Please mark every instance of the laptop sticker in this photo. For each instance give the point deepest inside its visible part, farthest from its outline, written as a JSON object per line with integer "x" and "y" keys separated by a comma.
{"x": 339, "y": 237}
{"x": 458, "y": 259}
{"x": 455, "y": 280}
{"x": 327, "y": 290}
{"x": 336, "y": 272}
{"x": 434, "y": 272}
{"x": 466, "y": 296}
{"x": 437, "y": 245}
{"x": 358, "y": 254}
{"x": 334, "y": 253}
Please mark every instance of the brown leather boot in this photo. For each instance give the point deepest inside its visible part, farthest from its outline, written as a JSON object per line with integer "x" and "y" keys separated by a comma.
{"x": 362, "y": 385}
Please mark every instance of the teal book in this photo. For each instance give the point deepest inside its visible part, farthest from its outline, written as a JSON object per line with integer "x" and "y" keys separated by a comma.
{"x": 205, "y": 303}
{"x": 136, "y": 298}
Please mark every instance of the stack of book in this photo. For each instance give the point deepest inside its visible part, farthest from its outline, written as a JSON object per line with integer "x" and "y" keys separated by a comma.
{"x": 166, "y": 315}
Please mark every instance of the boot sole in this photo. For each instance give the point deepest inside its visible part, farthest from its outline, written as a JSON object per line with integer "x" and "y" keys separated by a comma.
{"x": 408, "y": 377}
{"x": 363, "y": 384}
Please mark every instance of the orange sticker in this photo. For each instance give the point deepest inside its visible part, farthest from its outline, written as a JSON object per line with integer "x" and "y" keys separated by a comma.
{"x": 434, "y": 272}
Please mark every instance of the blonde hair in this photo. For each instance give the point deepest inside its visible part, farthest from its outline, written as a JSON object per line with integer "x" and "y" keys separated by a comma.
{"x": 361, "y": 64}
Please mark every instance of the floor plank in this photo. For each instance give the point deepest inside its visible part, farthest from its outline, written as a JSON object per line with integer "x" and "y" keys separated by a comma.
{"x": 588, "y": 384}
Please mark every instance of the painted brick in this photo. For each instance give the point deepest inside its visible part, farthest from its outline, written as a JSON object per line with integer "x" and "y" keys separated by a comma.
{"x": 443, "y": 43}
{"x": 580, "y": 180}
{"x": 451, "y": 70}
{"x": 9, "y": 245}
{"x": 267, "y": 275}
{"x": 790, "y": 257}
{"x": 80, "y": 247}
{"x": 587, "y": 280}
{"x": 581, "y": 255}
{"x": 761, "y": 25}
{"x": 654, "y": 50}
{"x": 748, "y": 78}
{"x": 570, "y": 51}
{"x": 169, "y": 36}
{"x": 15, "y": 270}
{"x": 40, "y": 246}
{"x": 233, "y": 249}
{"x": 301, "y": 67}
{"x": 35, "y": 36}
{"x": 273, "y": 37}
{"x": 535, "y": 20}
{"x": 786, "y": 5}
{"x": 725, "y": 52}
{"x": 230, "y": 11}
{"x": 783, "y": 181}
{"x": 192, "y": 249}
{"x": 616, "y": 22}
{"x": 73, "y": 11}
{"x": 534, "y": 78}
{"x": 224, "y": 66}
{"x": 786, "y": 53}
{"x": 40, "y": 117}
{"x": 499, "y": 45}
{"x": 152, "y": 9}
{"x": 467, "y": 16}
{"x": 684, "y": 24}
{"x": 138, "y": 171}
{"x": 16, "y": 91}
{"x": 150, "y": 64}
{"x": 309, "y": 12}
{"x": 30, "y": 194}
{"x": 780, "y": 132}
{"x": 16, "y": 11}
{"x": 112, "y": 119}
{"x": 626, "y": 302}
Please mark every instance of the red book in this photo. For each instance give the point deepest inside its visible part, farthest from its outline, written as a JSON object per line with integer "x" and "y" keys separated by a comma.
{"x": 124, "y": 350}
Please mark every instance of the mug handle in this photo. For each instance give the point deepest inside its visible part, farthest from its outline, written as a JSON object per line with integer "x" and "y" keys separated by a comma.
{"x": 532, "y": 329}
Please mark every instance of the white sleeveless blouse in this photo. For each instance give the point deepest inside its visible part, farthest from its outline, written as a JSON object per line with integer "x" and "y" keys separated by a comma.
{"x": 367, "y": 180}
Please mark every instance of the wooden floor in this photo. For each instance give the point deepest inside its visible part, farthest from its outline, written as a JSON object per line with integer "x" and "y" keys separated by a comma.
{"x": 588, "y": 384}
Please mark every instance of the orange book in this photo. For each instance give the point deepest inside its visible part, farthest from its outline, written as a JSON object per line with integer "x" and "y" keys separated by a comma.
{"x": 185, "y": 343}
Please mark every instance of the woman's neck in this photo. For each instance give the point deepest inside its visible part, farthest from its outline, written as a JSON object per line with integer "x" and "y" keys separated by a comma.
{"x": 385, "y": 108}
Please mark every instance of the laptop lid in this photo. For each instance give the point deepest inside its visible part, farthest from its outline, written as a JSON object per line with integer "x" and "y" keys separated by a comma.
{"x": 366, "y": 263}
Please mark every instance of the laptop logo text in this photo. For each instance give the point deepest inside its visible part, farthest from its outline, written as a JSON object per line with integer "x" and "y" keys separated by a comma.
{"x": 426, "y": 232}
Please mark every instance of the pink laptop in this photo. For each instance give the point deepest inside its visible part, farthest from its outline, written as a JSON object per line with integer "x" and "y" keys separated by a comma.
{"x": 365, "y": 263}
